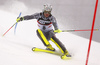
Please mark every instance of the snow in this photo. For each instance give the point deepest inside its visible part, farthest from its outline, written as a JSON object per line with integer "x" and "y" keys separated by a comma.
{"x": 16, "y": 49}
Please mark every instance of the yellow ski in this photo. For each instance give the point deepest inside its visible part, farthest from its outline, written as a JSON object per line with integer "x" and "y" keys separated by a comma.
{"x": 51, "y": 52}
{"x": 47, "y": 51}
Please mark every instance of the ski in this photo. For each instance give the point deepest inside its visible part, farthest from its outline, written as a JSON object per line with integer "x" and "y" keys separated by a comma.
{"x": 51, "y": 52}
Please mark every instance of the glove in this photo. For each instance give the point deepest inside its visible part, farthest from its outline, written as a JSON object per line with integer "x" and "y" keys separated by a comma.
{"x": 19, "y": 19}
{"x": 58, "y": 31}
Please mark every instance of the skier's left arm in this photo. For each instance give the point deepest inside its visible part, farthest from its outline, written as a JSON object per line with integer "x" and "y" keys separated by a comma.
{"x": 57, "y": 30}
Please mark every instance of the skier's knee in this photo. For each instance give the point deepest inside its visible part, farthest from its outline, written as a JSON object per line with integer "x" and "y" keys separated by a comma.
{"x": 51, "y": 34}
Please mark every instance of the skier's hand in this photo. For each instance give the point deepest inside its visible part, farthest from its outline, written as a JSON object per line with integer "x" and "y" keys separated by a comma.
{"x": 57, "y": 31}
{"x": 19, "y": 19}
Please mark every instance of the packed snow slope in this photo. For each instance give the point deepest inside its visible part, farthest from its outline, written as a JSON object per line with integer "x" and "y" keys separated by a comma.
{"x": 15, "y": 49}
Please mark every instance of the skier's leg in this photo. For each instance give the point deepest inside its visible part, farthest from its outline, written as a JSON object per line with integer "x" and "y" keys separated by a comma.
{"x": 44, "y": 39}
{"x": 60, "y": 46}
{"x": 57, "y": 42}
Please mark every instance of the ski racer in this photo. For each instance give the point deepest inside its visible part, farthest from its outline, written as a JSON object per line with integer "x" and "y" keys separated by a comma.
{"x": 46, "y": 21}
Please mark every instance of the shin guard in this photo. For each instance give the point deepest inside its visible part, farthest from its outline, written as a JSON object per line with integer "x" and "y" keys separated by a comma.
{"x": 59, "y": 44}
{"x": 42, "y": 37}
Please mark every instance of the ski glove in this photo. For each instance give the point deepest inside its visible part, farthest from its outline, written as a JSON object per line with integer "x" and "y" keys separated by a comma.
{"x": 19, "y": 19}
{"x": 58, "y": 31}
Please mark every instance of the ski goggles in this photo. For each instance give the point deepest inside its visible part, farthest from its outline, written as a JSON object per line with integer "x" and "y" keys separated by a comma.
{"x": 47, "y": 12}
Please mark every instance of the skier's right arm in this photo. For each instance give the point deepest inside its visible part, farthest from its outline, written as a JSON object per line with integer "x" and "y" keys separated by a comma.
{"x": 28, "y": 17}
{"x": 19, "y": 19}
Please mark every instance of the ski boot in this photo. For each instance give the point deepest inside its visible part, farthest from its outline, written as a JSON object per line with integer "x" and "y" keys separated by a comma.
{"x": 66, "y": 56}
{"x": 49, "y": 47}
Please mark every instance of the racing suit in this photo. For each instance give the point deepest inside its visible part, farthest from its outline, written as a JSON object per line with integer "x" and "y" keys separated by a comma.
{"x": 45, "y": 31}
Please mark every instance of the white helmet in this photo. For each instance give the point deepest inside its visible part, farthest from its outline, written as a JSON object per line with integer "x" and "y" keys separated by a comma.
{"x": 47, "y": 7}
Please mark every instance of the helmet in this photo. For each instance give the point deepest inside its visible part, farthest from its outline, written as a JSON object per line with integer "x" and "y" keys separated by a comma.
{"x": 47, "y": 7}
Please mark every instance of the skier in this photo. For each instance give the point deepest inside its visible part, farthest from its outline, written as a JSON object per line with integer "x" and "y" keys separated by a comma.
{"x": 45, "y": 32}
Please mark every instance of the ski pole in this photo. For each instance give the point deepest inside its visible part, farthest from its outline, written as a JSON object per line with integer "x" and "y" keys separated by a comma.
{"x": 16, "y": 23}
{"x": 79, "y": 30}
{"x": 9, "y": 29}
{"x": 12, "y": 25}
